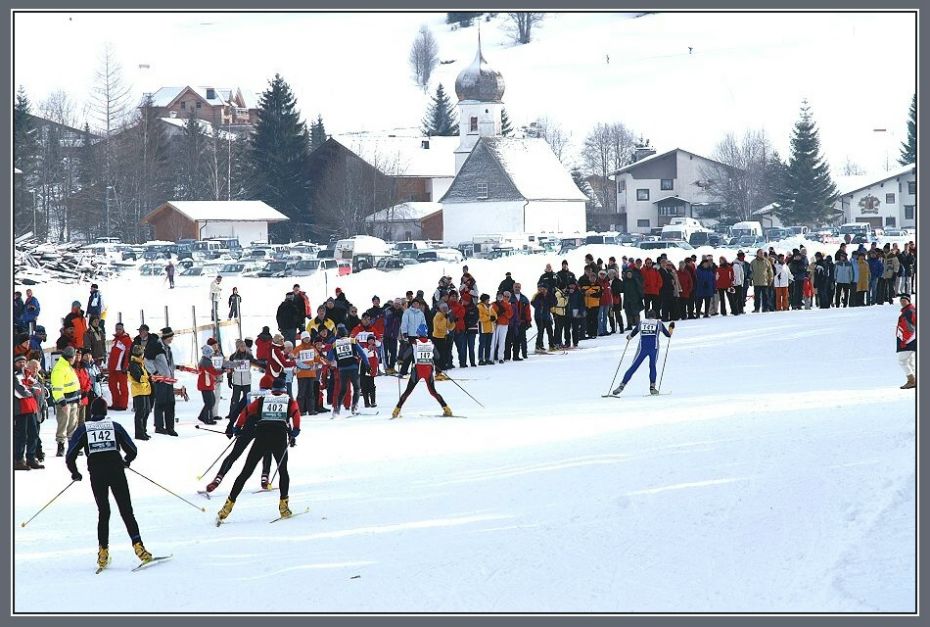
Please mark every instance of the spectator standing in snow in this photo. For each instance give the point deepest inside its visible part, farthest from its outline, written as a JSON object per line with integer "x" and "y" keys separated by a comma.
{"x": 169, "y": 272}
{"x": 234, "y": 301}
{"x": 906, "y": 336}
{"x": 31, "y": 311}
{"x": 216, "y": 294}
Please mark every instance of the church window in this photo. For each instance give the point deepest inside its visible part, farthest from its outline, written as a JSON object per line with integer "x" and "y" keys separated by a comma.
{"x": 482, "y": 190}
{"x": 474, "y": 125}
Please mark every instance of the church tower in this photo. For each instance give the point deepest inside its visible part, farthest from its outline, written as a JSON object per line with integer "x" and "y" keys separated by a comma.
{"x": 480, "y": 89}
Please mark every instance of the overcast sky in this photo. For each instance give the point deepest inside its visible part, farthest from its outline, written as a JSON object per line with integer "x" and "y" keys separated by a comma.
{"x": 745, "y": 70}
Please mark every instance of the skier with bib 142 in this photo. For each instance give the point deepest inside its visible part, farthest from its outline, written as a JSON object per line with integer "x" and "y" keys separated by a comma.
{"x": 423, "y": 351}
{"x": 648, "y": 329}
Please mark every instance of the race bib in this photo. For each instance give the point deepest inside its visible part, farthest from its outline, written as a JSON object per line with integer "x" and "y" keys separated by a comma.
{"x": 307, "y": 355}
{"x": 424, "y": 354}
{"x": 101, "y": 436}
{"x": 218, "y": 362}
{"x": 274, "y": 409}
{"x": 649, "y": 328}
{"x": 363, "y": 336}
{"x": 343, "y": 350}
{"x": 242, "y": 366}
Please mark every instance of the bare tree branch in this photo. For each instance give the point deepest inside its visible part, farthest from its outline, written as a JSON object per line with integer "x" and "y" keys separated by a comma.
{"x": 424, "y": 56}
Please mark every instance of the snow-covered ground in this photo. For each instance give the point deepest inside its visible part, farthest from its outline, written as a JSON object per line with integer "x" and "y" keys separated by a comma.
{"x": 778, "y": 475}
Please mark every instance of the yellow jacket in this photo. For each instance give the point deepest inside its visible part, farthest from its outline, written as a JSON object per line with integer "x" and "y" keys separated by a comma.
{"x": 561, "y": 302}
{"x": 64, "y": 379}
{"x": 485, "y": 324}
{"x": 142, "y": 387}
{"x": 441, "y": 325}
{"x": 315, "y": 325}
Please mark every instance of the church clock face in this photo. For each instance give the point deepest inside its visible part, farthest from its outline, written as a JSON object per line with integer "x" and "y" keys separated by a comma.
{"x": 869, "y": 204}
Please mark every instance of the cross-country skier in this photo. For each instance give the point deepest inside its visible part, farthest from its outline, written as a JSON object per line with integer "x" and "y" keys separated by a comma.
{"x": 101, "y": 439}
{"x": 423, "y": 351}
{"x": 648, "y": 330}
{"x": 346, "y": 356}
{"x": 269, "y": 416}
{"x": 245, "y": 437}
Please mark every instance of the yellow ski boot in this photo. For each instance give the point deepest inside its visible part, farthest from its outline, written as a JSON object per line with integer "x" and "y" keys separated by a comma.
{"x": 226, "y": 510}
{"x": 284, "y": 510}
{"x": 446, "y": 410}
{"x": 103, "y": 557}
{"x": 396, "y": 412}
{"x": 141, "y": 553}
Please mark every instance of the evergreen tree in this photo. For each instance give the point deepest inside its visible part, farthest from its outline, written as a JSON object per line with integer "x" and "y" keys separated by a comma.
{"x": 317, "y": 133}
{"x": 808, "y": 192}
{"x": 87, "y": 166}
{"x": 506, "y": 129}
{"x": 280, "y": 150}
{"x": 773, "y": 179}
{"x": 26, "y": 158}
{"x": 909, "y": 148}
{"x": 440, "y": 116}
{"x": 462, "y": 18}
{"x": 191, "y": 163}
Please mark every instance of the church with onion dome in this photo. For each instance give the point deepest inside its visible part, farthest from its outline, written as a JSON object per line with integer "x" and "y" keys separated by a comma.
{"x": 503, "y": 184}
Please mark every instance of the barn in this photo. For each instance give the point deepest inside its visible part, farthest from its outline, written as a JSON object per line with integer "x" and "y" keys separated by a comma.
{"x": 247, "y": 220}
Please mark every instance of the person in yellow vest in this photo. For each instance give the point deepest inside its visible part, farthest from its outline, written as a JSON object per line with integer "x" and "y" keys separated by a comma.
{"x": 442, "y": 327}
{"x": 141, "y": 388}
{"x": 486, "y": 323}
{"x": 66, "y": 394}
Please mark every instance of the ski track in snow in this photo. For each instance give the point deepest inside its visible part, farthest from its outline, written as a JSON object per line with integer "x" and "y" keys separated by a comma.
{"x": 778, "y": 477}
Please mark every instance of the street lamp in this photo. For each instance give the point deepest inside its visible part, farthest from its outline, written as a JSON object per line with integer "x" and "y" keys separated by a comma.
{"x": 890, "y": 134}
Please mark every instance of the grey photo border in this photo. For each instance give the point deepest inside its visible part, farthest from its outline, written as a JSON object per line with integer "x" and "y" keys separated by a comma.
{"x": 205, "y": 620}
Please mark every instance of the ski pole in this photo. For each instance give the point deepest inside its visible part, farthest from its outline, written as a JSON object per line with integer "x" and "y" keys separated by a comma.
{"x": 211, "y": 430}
{"x": 283, "y": 457}
{"x": 464, "y": 390}
{"x": 620, "y": 363}
{"x": 664, "y": 360}
{"x": 201, "y": 476}
{"x": 203, "y": 509}
{"x": 47, "y": 504}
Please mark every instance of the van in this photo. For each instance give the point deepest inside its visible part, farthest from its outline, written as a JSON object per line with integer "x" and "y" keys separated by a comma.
{"x": 741, "y": 229}
{"x": 857, "y": 228}
{"x": 449, "y": 255}
{"x": 360, "y": 244}
{"x": 797, "y": 230}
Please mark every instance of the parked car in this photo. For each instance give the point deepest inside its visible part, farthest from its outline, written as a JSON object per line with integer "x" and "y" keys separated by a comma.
{"x": 715, "y": 240}
{"x": 449, "y": 255}
{"x": 307, "y": 267}
{"x": 272, "y": 269}
{"x": 344, "y": 267}
{"x": 389, "y": 264}
{"x": 629, "y": 239}
{"x": 659, "y": 245}
{"x": 365, "y": 261}
{"x": 497, "y": 253}
{"x": 152, "y": 269}
{"x": 750, "y": 241}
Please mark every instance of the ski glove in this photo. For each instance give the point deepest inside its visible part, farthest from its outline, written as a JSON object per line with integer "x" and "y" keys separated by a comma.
{"x": 128, "y": 461}
{"x": 629, "y": 337}
{"x": 671, "y": 325}
{"x": 295, "y": 433}
{"x": 236, "y": 431}
{"x": 76, "y": 476}
{"x": 293, "y": 442}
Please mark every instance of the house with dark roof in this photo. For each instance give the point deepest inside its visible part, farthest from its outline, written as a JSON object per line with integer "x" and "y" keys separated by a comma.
{"x": 220, "y": 106}
{"x": 658, "y": 187}
{"x": 246, "y": 220}
{"x": 888, "y": 200}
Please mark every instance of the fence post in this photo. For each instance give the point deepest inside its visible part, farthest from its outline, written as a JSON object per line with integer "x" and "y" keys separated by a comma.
{"x": 167, "y": 324}
{"x": 194, "y": 319}
{"x": 119, "y": 317}
{"x": 239, "y": 318}
{"x": 141, "y": 316}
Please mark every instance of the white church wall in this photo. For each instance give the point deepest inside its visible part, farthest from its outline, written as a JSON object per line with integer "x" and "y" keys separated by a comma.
{"x": 555, "y": 216}
{"x": 462, "y": 221}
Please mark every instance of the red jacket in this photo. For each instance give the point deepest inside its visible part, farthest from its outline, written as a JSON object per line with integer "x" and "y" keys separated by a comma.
{"x": 252, "y": 409}
{"x": 28, "y": 404}
{"x": 372, "y": 361}
{"x": 119, "y": 353}
{"x": 84, "y": 380}
{"x": 684, "y": 279}
{"x": 371, "y": 328}
{"x": 206, "y": 376}
{"x": 724, "y": 277}
{"x": 277, "y": 361}
{"x": 262, "y": 348}
{"x": 503, "y": 310}
{"x": 607, "y": 297}
{"x": 458, "y": 311}
{"x": 652, "y": 281}
{"x": 906, "y": 331}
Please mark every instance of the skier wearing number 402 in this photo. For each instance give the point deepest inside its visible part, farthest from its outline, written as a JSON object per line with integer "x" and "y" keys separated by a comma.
{"x": 648, "y": 330}
{"x": 423, "y": 351}
{"x": 101, "y": 440}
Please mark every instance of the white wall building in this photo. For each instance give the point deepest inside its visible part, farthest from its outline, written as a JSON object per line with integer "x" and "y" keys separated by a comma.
{"x": 886, "y": 201}
{"x": 247, "y": 220}
{"x": 659, "y": 187}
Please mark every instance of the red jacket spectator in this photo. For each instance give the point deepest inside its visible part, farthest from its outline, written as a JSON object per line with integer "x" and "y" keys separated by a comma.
{"x": 607, "y": 297}
{"x": 263, "y": 345}
{"x": 27, "y": 404}
{"x": 277, "y": 362}
{"x": 503, "y": 311}
{"x": 119, "y": 353}
{"x": 684, "y": 279}
{"x": 457, "y": 311}
{"x": 371, "y": 328}
{"x": 652, "y": 281}
{"x": 724, "y": 277}
{"x": 84, "y": 380}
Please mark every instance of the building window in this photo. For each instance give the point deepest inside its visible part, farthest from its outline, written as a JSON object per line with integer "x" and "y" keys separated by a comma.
{"x": 889, "y": 199}
{"x": 198, "y": 104}
{"x": 622, "y": 185}
{"x": 666, "y": 185}
{"x": 672, "y": 210}
{"x": 912, "y": 188}
{"x": 890, "y": 221}
{"x": 642, "y": 194}
{"x": 642, "y": 223}
{"x": 908, "y": 212}
{"x": 473, "y": 126}
{"x": 183, "y": 105}
{"x": 482, "y": 190}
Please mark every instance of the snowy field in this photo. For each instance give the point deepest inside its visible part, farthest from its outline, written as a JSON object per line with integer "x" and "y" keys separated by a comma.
{"x": 778, "y": 475}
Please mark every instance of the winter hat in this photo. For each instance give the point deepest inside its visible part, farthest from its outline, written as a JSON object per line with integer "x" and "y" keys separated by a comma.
{"x": 277, "y": 339}
{"x": 143, "y": 327}
{"x": 211, "y": 341}
{"x": 484, "y": 297}
{"x": 207, "y": 351}
{"x": 339, "y": 290}
{"x": 68, "y": 352}
{"x": 904, "y": 297}
{"x": 137, "y": 350}
{"x": 375, "y": 298}
{"x": 40, "y": 329}
{"x": 304, "y": 336}
{"x": 278, "y": 385}
{"x": 93, "y": 286}
{"x": 75, "y": 303}
{"x": 19, "y": 358}
{"x": 166, "y": 333}
{"x": 289, "y": 344}
{"x": 266, "y": 330}
{"x": 98, "y": 407}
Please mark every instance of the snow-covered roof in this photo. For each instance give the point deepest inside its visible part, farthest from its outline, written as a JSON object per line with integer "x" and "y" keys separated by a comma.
{"x": 852, "y": 184}
{"x": 673, "y": 196}
{"x": 221, "y": 211}
{"x": 405, "y": 211}
{"x": 534, "y": 169}
{"x": 659, "y": 155}
{"x": 205, "y": 126}
{"x": 404, "y": 155}
{"x": 764, "y": 211}
{"x": 17, "y": 171}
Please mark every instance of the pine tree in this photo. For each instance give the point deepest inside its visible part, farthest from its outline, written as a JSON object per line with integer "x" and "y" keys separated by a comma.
{"x": 773, "y": 179}
{"x": 909, "y": 148}
{"x": 440, "y": 116}
{"x": 26, "y": 158}
{"x": 462, "y": 18}
{"x": 191, "y": 163}
{"x": 808, "y": 192}
{"x": 317, "y": 133}
{"x": 506, "y": 129}
{"x": 280, "y": 150}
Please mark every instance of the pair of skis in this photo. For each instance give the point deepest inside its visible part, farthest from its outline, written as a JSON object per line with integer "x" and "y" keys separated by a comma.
{"x": 430, "y": 416}
{"x": 611, "y": 395}
{"x": 306, "y": 511}
{"x": 155, "y": 560}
